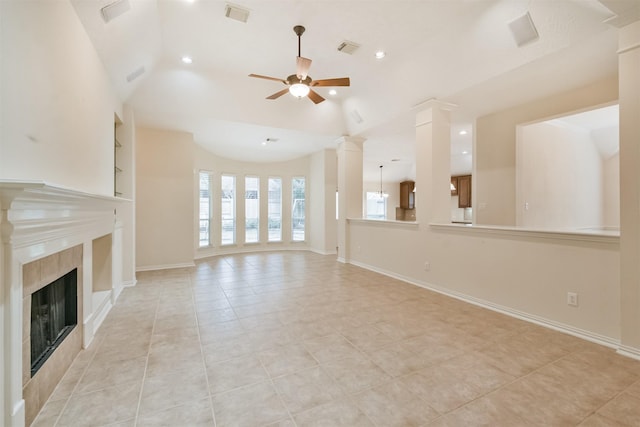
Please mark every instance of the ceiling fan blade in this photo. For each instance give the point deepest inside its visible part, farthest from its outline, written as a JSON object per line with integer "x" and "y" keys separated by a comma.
{"x": 343, "y": 81}
{"x": 258, "y": 76}
{"x": 278, "y": 94}
{"x": 302, "y": 67}
{"x": 315, "y": 97}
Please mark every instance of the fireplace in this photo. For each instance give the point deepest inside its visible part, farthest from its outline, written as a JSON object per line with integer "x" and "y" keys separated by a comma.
{"x": 60, "y": 236}
{"x": 54, "y": 314}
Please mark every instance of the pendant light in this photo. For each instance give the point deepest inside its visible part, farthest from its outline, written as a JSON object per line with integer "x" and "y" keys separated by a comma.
{"x": 381, "y": 194}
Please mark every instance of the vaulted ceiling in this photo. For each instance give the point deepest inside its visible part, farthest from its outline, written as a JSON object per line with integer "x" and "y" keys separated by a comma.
{"x": 459, "y": 51}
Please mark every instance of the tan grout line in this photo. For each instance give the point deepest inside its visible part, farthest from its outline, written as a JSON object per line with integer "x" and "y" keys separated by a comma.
{"x": 146, "y": 364}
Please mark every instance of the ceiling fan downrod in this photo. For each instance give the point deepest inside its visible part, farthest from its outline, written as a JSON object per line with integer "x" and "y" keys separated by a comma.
{"x": 299, "y": 30}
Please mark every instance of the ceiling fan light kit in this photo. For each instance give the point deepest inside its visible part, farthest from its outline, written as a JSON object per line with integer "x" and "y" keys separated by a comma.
{"x": 300, "y": 84}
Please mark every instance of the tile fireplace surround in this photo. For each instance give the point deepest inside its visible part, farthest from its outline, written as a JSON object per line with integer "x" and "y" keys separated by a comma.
{"x": 46, "y": 231}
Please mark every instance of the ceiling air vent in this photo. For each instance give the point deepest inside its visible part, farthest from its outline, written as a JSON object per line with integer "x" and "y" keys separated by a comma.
{"x": 523, "y": 30}
{"x": 115, "y": 9}
{"x": 348, "y": 47}
{"x": 236, "y": 12}
{"x": 137, "y": 73}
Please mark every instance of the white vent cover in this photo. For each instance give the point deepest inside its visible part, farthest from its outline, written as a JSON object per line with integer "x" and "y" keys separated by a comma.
{"x": 523, "y": 30}
{"x": 115, "y": 9}
{"x": 348, "y": 47}
{"x": 236, "y": 12}
{"x": 356, "y": 116}
{"x": 137, "y": 73}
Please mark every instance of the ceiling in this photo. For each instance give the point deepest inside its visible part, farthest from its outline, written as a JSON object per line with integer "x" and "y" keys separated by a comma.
{"x": 458, "y": 51}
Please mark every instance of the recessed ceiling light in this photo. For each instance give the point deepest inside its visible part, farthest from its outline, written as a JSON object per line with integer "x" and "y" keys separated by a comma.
{"x": 380, "y": 54}
{"x": 463, "y": 132}
{"x": 465, "y": 152}
{"x": 264, "y": 143}
{"x": 187, "y": 59}
{"x": 333, "y": 92}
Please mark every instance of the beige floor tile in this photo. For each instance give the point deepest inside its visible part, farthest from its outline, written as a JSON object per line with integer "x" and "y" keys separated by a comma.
{"x": 109, "y": 405}
{"x": 355, "y": 374}
{"x": 624, "y": 409}
{"x": 228, "y": 348}
{"x": 442, "y": 389}
{"x": 393, "y": 405}
{"x": 286, "y": 359}
{"x": 398, "y": 360}
{"x": 49, "y": 413}
{"x": 537, "y": 405}
{"x": 486, "y": 411}
{"x": 177, "y": 388}
{"x": 103, "y": 373}
{"x": 332, "y": 337}
{"x": 331, "y": 347}
{"x": 234, "y": 373}
{"x": 198, "y": 413}
{"x": 597, "y": 420}
{"x": 306, "y": 389}
{"x": 339, "y": 413}
{"x": 254, "y": 405}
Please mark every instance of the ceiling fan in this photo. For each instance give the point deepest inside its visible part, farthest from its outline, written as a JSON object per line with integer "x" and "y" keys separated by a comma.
{"x": 300, "y": 84}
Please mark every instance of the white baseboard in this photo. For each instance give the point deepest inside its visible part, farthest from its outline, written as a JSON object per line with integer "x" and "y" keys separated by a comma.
{"x": 165, "y": 266}
{"x": 631, "y": 352}
{"x": 317, "y": 251}
{"x": 129, "y": 283}
{"x": 551, "y": 324}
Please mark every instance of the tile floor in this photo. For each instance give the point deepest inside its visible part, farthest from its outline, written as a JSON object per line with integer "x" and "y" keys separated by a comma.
{"x": 297, "y": 339}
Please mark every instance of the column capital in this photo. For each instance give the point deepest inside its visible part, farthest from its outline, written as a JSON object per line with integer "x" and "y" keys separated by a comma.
{"x": 351, "y": 143}
{"x": 424, "y": 110}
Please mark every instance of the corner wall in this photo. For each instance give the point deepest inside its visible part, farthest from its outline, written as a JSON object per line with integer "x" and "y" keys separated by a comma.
{"x": 164, "y": 199}
{"x": 57, "y": 99}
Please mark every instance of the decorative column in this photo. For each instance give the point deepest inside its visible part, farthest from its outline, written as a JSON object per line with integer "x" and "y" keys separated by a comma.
{"x": 349, "y": 189}
{"x": 629, "y": 99}
{"x": 433, "y": 162}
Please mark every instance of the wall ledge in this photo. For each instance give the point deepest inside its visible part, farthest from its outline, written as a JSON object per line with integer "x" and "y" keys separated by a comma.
{"x": 611, "y": 237}
{"x": 385, "y": 223}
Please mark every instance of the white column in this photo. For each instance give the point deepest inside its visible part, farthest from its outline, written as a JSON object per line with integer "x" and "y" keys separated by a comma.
{"x": 433, "y": 162}
{"x": 349, "y": 189}
{"x": 629, "y": 98}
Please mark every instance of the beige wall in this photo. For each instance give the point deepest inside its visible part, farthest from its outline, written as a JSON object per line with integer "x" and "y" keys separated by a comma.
{"x": 494, "y": 151}
{"x": 323, "y": 184}
{"x": 57, "y": 102}
{"x": 559, "y": 178}
{"x": 164, "y": 198}
{"x": 611, "y": 191}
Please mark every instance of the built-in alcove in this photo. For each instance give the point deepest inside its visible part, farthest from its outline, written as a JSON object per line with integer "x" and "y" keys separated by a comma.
{"x": 102, "y": 271}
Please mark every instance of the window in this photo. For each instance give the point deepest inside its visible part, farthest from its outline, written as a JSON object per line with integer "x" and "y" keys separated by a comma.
{"x": 274, "y": 210}
{"x": 376, "y": 205}
{"x": 228, "y": 209}
{"x": 251, "y": 209}
{"x": 205, "y": 210}
{"x": 297, "y": 209}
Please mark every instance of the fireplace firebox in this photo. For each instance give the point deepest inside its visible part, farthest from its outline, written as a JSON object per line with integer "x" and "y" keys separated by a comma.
{"x": 54, "y": 314}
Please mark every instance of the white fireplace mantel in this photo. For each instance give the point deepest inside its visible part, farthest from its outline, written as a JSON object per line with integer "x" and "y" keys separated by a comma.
{"x": 38, "y": 219}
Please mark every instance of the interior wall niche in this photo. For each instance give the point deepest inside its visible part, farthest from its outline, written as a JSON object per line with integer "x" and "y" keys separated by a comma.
{"x": 567, "y": 172}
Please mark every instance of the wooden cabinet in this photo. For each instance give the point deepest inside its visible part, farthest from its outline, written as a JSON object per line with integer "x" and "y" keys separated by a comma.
{"x": 464, "y": 191}
{"x": 407, "y": 196}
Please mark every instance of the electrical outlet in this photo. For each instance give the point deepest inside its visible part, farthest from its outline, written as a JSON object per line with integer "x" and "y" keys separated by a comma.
{"x": 427, "y": 266}
{"x": 572, "y": 299}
